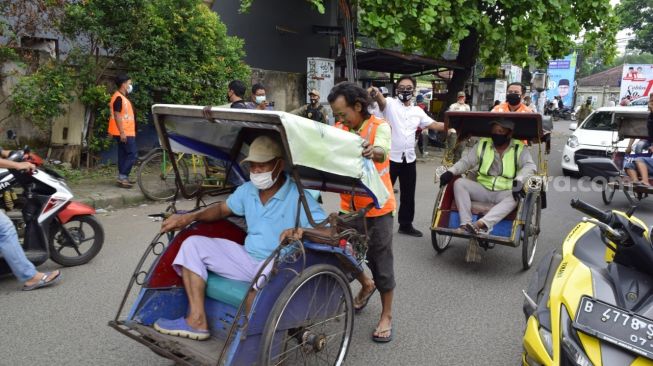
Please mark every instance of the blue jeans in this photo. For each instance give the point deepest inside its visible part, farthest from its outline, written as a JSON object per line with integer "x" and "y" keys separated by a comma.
{"x": 12, "y": 252}
{"x": 126, "y": 156}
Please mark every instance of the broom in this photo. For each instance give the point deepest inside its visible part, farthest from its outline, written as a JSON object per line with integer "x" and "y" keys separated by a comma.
{"x": 473, "y": 253}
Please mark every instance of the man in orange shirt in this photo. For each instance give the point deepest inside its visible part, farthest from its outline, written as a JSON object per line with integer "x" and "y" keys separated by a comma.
{"x": 122, "y": 126}
{"x": 513, "y": 101}
{"x": 350, "y": 104}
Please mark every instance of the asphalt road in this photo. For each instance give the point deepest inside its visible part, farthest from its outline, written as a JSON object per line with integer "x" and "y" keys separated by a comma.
{"x": 447, "y": 312}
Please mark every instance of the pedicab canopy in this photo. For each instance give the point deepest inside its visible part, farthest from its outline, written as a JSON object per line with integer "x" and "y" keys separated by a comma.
{"x": 631, "y": 123}
{"x": 321, "y": 156}
{"x": 528, "y": 126}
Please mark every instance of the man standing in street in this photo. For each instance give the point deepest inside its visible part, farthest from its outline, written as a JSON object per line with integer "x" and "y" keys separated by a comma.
{"x": 460, "y": 105}
{"x": 404, "y": 118}
{"x": 513, "y": 101}
{"x": 236, "y": 93}
{"x": 314, "y": 110}
{"x": 584, "y": 110}
{"x": 122, "y": 126}
{"x": 259, "y": 98}
{"x": 350, "y": 104}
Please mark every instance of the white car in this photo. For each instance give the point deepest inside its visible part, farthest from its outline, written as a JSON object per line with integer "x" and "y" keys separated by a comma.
{"x": 596, "y": 136}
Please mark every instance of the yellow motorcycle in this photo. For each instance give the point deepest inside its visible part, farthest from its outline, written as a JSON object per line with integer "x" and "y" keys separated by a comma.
{"x": 592, "y": 302}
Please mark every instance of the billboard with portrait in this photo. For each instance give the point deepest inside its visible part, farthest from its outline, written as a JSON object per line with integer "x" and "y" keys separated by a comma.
{"x": 636, "y": 80}
{"x": 561, "y": 79}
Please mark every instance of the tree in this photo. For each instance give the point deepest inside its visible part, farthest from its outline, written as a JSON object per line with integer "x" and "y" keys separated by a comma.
{"x": 638, "y": 16}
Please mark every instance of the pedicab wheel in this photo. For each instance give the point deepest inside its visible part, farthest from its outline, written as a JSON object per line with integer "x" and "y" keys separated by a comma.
{"x": 440, "y": 242}
{"x": 77, "y": 241}
{"x": 156, "y": 176}
{"x": 311, "y": 322}
{"x": 608, "y": 193}
{"x": 531, "y": 231}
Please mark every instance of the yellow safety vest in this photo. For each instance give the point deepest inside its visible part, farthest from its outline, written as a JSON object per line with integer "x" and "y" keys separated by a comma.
{"x": 510, "y": 161}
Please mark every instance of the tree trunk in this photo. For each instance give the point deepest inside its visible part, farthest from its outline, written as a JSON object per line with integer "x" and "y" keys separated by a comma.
{"x": 467, "y": 55}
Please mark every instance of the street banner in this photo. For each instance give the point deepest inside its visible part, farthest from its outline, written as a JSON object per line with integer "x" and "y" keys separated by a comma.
{"x": 636, "y": 80}
{"x": 512, "y": 73}
{"x": 320, "y": 76}
{"x": 561, "y": 79}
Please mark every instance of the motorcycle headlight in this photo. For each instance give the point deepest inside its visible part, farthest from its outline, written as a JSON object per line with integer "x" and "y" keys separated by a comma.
{"x": 572, "y": 141}
{"x": 547, "y": 340}
{"x": 577, "y": 355}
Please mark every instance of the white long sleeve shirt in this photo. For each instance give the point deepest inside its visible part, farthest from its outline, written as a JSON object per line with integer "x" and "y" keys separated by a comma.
{"x": 404, "y": 121}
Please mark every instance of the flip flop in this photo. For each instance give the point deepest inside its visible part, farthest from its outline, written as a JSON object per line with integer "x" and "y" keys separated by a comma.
{"x": 365, "y": 300}
{"x": 180, "y": 328}
{"x": 378, "y": 339}
{"x": 43, "y": 282}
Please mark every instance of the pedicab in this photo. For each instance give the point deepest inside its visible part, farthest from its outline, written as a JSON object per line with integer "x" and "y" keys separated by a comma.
{"x": 631, "y": 124}
{"x": 302, "y": 312}
{"x": 520, "y": 227}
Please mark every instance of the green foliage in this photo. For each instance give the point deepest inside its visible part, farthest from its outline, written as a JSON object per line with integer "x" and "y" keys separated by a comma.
{"x": 245, "y": 5}
{"x": 505, "y": 27}
{"x": 42, "y": 95}
{"x": 638, "y": 16}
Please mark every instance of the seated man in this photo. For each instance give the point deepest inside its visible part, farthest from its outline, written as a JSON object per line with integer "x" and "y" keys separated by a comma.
{"x": 503, "y": 165}
{"x": 269, "y": 204}
{"x": 642, "y": 166}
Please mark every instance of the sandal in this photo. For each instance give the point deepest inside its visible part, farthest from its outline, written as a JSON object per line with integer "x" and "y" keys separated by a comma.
{"x": 363, "y": 301}
{"x": 378, "y": 339}
{"x": 45, "y": 281}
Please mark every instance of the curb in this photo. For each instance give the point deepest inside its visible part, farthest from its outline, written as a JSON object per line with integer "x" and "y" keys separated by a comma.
{"x": 112, "y": 200}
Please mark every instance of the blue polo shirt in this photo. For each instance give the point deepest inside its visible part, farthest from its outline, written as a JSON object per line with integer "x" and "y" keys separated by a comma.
{"x": 265, "y": 223}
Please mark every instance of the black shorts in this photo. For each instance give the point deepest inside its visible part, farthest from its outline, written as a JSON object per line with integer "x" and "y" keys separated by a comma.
{"x": 380, "y": 259}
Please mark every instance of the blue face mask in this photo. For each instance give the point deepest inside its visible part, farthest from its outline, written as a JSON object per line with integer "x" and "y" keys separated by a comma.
{"x": 260, "y": 99}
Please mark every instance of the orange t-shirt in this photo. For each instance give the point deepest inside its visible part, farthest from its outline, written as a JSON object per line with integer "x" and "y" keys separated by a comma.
{"x": 505, "y": 107}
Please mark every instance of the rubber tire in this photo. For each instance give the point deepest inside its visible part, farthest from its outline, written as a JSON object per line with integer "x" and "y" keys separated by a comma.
{"x": 569, "y": 173}
{"x": 534, "y": 208}
{"x": 154, "y": 161}
{"x": 607, "y": 197}
{"x": 86, "y": 257}
{"x": 437, "y": 238}
{"x": 284, "y": 296}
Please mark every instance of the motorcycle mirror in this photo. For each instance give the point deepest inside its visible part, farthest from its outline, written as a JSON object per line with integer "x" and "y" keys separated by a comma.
{"x": 11, "y": 135}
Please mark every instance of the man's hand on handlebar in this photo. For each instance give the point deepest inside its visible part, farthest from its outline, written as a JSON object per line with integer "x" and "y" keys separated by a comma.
{"x": 293, "y": 234}
{"x": 29, "y": 167}
{"x": 175, "y": 222}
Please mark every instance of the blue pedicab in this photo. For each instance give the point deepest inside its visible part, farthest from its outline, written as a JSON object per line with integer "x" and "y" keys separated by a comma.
{"x": 303, "y": 312}
{"x": 520, "y": 227}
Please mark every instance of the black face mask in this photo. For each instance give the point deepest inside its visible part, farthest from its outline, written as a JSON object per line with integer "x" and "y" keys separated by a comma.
{"x": 405, "y": 96}
{"x": 499, "y": 140}
{"x": 513, "y": 99}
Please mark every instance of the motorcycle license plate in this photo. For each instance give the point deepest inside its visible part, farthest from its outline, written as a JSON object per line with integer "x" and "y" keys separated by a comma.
{"x": 616, "y": 326}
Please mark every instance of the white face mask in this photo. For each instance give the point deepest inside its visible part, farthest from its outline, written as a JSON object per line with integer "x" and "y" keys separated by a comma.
{"x": 263, "y": 181}
{"x": 260, "y": 99}
{"x": 130, "y": 88}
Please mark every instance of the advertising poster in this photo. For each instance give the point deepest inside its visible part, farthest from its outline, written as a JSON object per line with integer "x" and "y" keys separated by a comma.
{"x": 636, "y": 80}
{"x": 561, "y": 79}
{"x": 320, "y": 76}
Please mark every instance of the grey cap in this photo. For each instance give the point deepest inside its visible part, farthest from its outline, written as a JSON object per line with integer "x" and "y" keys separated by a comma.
{"x": 505, "y": 123}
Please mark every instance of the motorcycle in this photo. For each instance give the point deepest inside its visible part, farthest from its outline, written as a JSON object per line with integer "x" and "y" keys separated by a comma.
{"x": 49, "y": 224}
{"x": 592, "y": 302}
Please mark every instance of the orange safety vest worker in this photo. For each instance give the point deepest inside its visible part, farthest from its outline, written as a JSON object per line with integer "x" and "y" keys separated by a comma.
{"x": 368, "y": 132}
{"x": 128, "y": 120}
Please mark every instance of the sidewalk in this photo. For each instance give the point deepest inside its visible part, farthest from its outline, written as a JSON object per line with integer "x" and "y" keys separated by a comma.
{"x": 102, "y": 192}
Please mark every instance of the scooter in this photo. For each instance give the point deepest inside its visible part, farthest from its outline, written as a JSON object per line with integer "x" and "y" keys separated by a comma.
{"x": 592, "y": 302}
{"x": 49, "y": 224}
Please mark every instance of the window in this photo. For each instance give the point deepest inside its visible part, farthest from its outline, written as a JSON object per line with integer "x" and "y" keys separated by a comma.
{"x": 599, "y": 121}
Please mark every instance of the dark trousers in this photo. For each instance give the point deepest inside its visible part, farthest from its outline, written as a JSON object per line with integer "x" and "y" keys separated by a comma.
{"x": 126, "y": 156}
{"x": 380, "y": 258}
{"x": 407, "y": 174}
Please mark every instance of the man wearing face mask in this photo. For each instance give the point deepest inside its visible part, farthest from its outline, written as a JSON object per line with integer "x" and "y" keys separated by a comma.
{"x": 460, "y": 105}
{"x": 503, "y": 165}
{"x": 405, "y": 119}
{"x": 269, "y": 204}
{"x": 513, "y": 101}
{"x": 314, "y": 110}
{"x": 122, "y": 126}
{"x": 259, "y": 98}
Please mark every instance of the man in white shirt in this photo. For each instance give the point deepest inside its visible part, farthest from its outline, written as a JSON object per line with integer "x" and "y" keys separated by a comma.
{"x": 460, "y": 105}
{"x": 404, "y": 118}
{"x": 374, "y": 109}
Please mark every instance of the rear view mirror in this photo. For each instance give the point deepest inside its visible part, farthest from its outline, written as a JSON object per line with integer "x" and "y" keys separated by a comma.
{"x": 573, "y": 126}
{"x": 11, "y": 135}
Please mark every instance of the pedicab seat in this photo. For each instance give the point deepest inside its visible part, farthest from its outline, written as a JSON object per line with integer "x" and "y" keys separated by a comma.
{"x": 482, "y": 208}
{"x": 226, "y": 290}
